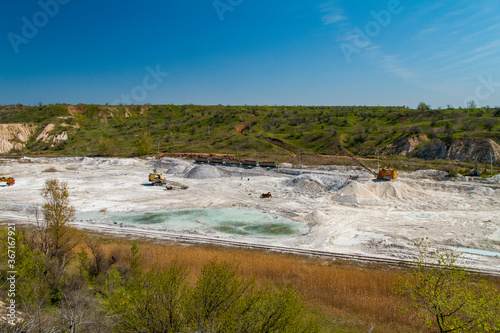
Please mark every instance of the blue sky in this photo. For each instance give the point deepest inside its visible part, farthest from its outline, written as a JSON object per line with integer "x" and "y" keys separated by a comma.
{"x": 255, "y": 52}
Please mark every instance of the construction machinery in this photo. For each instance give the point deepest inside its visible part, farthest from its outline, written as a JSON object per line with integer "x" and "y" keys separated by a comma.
{"x": 386, "y": 173}
{"x": 157, "y": 179}
{"x": 9, "y": 180}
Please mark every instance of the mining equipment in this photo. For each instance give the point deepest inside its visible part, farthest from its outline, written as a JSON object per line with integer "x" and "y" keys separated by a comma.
{"x": 474, "y": 172}
{"x": 268, "y": 164}
{"x": 157, "y": 178}
{"x": 233, "y": 162}
{"x": 201, "y": 160}
{"x": 9, "y": 180}
{"x": 249, "y": 163}
{"x": 386, "y": 173}
{"x": 214, "y": 160}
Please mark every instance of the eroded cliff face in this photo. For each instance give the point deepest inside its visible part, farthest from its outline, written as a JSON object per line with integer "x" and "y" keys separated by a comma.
{"x": 475, "y": 150}
{"x": 434, "y": 150}
{"x": 406, "y": 145}
{"x": 465, "y": 150}
{"x": 15, "y": 136}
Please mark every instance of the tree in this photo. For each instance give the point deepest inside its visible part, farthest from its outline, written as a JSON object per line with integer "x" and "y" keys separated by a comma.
{"x": 144, "y": 143}
{"x": 471, "y": 105}
{"x": 150, "y": 302}
{"x": 423, "y": 107}
{"x": 106, "y": 147}
{"x": 53, "y": 236}
{"x": 489, "y": 124}
{"x": 217, "y": 296}
{"x": 448, "y": 298}
{"x": 162, "y": 300}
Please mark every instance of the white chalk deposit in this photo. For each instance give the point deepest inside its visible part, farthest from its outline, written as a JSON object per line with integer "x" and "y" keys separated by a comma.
{"x": 342, "y": 215}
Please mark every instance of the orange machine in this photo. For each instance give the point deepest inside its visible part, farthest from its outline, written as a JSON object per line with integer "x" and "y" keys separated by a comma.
{"x": 386, "y": 173}
{"x": 157, "y": 178}
{"x": 9, "y": 180}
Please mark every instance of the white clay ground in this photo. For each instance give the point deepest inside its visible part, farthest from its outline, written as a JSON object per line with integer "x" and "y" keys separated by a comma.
{"x": 339, "y": 215}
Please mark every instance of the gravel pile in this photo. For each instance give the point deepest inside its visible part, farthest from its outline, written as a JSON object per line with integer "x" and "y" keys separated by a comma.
{"x": 495, "y": 179}
{"x": 316, "y": 182}
{"x": 358, "y": 194}
{"x": 305, "y": 183}
{"x": 376, "y": 193}
{"x": 204, "y": 172}
{"x": 176, "y": 169}
{"x": 286, "y": 165}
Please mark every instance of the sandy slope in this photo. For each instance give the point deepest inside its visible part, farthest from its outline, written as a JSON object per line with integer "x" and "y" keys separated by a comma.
{"x": 362, "y": 217}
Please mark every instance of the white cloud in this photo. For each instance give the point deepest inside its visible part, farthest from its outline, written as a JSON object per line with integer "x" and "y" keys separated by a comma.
{"x": 332, "y": 13}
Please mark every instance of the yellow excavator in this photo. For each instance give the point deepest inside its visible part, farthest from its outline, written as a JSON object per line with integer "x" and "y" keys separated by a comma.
{"x": 386, "y": 173}
{"x": 9, "y": 180}
{"x": 157, "y": 178}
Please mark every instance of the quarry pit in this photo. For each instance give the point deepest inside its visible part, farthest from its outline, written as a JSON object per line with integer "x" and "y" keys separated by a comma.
{"x": 311, "y": 208}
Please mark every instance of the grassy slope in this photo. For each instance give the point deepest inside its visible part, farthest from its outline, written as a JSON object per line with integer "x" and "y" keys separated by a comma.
{"x": 256, "y": 130}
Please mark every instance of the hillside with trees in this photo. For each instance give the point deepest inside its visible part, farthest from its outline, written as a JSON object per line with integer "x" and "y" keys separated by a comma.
{"x": 467, "y": 135}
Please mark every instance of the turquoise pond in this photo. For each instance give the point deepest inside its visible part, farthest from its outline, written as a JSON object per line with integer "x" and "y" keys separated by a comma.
{"x": 233, "y": 221}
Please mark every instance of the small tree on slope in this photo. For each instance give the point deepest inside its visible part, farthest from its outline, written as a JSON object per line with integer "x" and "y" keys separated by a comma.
{"x": 447, "y": 297}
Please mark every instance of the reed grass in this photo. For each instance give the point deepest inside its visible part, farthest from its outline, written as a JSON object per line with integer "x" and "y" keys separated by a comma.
{"x": 351, "y": 296}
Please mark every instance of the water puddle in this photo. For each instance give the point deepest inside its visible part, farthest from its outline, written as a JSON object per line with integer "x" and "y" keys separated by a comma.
{"x": 476, "y": 251}
{"x": 233, "y": 221}
{"x": 417, "y": 215}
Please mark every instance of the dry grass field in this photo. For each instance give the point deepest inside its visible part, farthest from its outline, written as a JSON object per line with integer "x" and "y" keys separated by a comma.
{"x": 352, "y": 297}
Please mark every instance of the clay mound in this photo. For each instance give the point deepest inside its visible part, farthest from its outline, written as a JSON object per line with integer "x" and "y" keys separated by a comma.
{"x": 375, "y": 193}
{"x": 177, "y": 169}
{"x": 204, "y": 172}
{"x": 358, "y": 194}
{"x": 316, "y": 216}
{"x": 286, "y": 165}
{"x": 495, "y": 179}
{"x": 305, "y": 183}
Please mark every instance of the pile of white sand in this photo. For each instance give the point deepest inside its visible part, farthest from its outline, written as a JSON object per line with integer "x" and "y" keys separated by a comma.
{"x": 314, "y": 183}
{"x": 305, "y": 183}
{"x": 203, "y": 172}
{"x": 375, "y": 193}
{"x": 316, "y": 217}
{"x": 177, "y": 169}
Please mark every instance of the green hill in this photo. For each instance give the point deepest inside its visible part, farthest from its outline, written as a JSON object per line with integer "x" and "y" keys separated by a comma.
{"x": 96, "y": 130}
